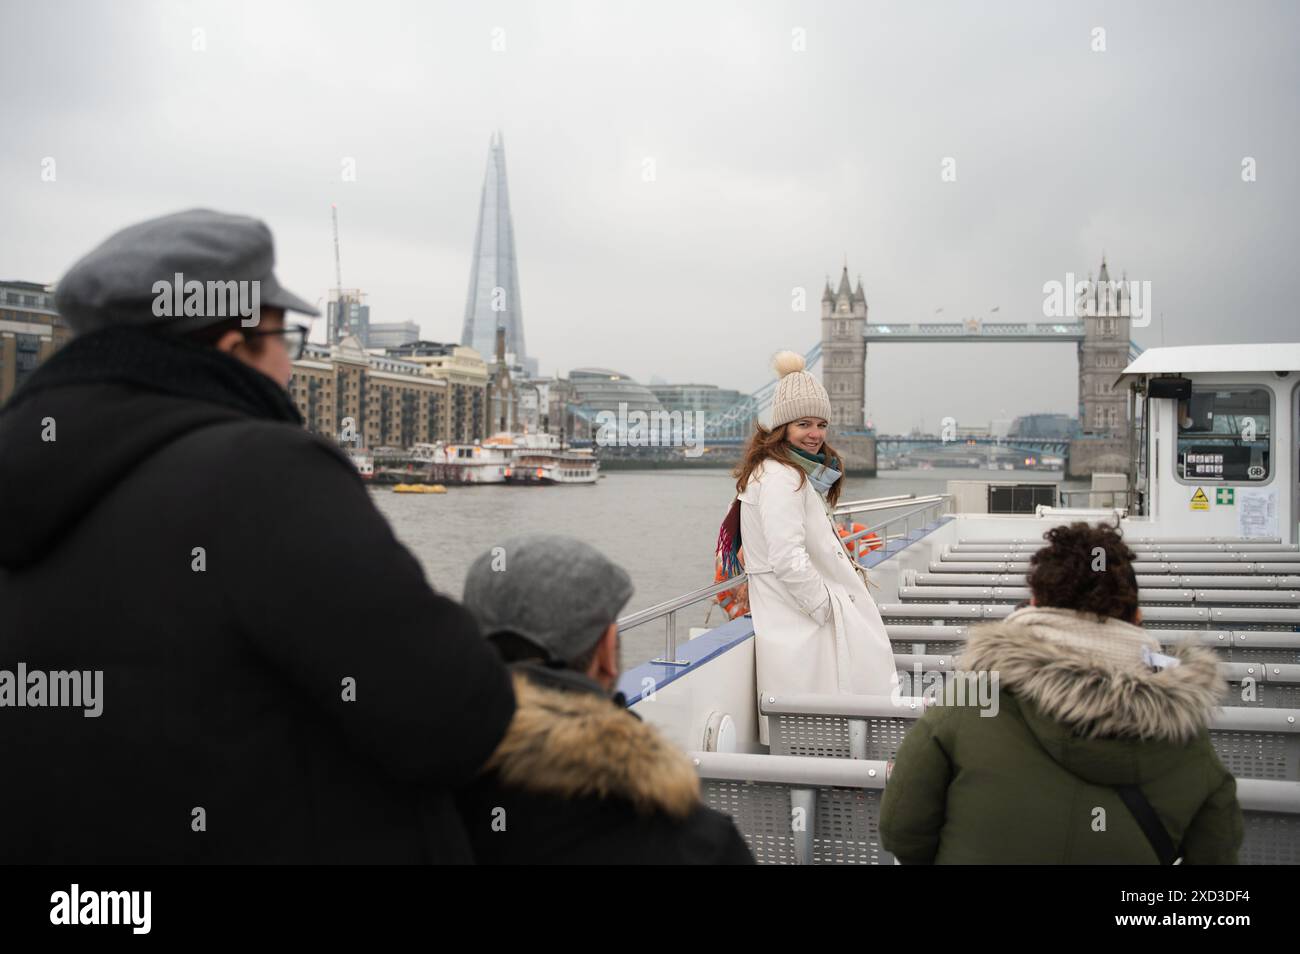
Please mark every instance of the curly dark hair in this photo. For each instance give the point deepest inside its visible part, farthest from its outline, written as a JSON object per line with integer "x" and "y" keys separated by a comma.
{"x": 1088, "y": 569}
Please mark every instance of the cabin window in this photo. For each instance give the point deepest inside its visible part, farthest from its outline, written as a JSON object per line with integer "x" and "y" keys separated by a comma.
{"x": 1225, "y": 434}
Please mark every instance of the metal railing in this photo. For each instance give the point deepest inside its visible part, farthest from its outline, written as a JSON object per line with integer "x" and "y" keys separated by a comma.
{"x": 669, "y": 611}
{"x": 934, "y": 504}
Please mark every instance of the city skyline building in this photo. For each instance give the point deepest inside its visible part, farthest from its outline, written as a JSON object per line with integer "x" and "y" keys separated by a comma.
{"x": 493, "y": 299}
{"x": 392, "y": 334}
{"x": 347, "y": 314}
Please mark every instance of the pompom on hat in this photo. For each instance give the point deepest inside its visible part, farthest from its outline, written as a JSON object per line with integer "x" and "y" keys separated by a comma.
{"x": 798, "y": 393}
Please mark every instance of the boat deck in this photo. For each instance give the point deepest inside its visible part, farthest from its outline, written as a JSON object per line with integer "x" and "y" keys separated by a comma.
{"x": 830, "y": 754}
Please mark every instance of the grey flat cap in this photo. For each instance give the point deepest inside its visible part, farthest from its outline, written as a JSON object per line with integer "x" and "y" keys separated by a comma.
{"x": 554, "y": 590}
{"x": 118, "y": 282}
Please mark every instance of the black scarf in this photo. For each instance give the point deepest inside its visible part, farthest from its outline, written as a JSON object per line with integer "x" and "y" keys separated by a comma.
{"x": 158, "y": 362}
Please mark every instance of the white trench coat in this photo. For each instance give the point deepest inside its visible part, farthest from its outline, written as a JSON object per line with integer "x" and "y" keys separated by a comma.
{"x": 816, "y": 627}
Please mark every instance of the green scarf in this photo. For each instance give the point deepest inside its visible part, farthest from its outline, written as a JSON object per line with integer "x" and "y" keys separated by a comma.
{"x": 727, "y": 551}
{"x": 820, "y": 474}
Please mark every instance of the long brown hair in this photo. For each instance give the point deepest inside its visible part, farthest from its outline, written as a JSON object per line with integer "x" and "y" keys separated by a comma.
{"x": 767, "y": 444}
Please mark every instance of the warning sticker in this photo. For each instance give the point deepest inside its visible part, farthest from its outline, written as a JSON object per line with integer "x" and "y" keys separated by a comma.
{"x": 1225, "y": 496}
{"x": 1199, "y": 500}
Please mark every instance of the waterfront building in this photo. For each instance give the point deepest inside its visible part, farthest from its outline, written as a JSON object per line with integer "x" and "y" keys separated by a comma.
{"x": 465, "y": 373}
{"x": 1044, "y": 425}
{"x": 502, "y": 397}
{"x": 348, "y": 314}
{"x": 30, "y": 331}
{"x": 365, "y": 400}
{"x": 601, "y": 391}
{"x": 707, "y": 400}
{"x": 392, "y": 334}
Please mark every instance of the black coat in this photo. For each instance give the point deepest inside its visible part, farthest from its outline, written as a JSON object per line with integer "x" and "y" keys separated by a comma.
{"x": 223, "y": 689}
{"x": 579, "y": 779}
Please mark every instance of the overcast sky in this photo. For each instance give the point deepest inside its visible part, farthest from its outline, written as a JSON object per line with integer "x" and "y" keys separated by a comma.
{"x": 771, "y": 163}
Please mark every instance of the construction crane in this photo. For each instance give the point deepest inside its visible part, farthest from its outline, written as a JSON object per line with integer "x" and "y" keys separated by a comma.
{"x": 338, "y": 264}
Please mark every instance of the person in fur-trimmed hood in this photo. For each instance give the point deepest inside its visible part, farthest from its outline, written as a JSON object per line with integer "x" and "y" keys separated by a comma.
{"x": 1089, "y": 712}
{"x": 578, "y": 778}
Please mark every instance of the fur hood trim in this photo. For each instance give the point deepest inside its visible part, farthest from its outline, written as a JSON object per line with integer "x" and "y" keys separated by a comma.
{"x": 575, "y": 744}
{"x": 1055, "y": 660}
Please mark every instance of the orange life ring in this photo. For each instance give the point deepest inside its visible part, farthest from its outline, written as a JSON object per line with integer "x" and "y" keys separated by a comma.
{"x": 865, "y": 544}
{"x": 735, "y": 603}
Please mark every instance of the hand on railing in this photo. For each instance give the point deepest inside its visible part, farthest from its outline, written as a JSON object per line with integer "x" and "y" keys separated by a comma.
{"x": 740, "y": 597}
{"x": 735, "y": 602}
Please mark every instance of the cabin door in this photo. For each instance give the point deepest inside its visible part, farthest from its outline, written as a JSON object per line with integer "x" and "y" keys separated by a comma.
{"x": 1295, "y": 466}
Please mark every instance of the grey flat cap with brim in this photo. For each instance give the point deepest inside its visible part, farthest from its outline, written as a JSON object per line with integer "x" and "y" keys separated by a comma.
{"x": 116, "y": 283}
{"x": 553, "y": 590}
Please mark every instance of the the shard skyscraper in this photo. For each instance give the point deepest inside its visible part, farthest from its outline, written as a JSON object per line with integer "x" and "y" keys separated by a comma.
{"x": 494, "y": 272}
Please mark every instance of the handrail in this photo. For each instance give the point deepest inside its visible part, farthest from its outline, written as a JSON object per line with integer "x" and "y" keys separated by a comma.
{"x": 884, "y": 503}
{"x": 669, "y": 609}
{"x": 933, "y": 502}
{"x": 651, "y": 613}
{"x": 875, "y": 500}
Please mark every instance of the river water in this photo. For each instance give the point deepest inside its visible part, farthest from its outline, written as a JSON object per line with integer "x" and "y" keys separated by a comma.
{"x": 661, "y": 526}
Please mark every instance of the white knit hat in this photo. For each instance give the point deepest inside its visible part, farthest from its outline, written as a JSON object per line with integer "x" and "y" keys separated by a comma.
{"x": 798, "y": 393}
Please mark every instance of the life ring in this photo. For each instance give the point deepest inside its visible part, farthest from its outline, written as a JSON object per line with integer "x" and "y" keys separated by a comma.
{"x": 735, "y": 603}
{"x": 865, "y": 544}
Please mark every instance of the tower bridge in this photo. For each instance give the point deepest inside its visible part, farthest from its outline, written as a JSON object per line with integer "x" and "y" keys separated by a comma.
{"x": 1102, "y": 344}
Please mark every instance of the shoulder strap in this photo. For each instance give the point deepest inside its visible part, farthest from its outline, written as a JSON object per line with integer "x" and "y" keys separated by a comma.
{"x": 1150, "y": 823}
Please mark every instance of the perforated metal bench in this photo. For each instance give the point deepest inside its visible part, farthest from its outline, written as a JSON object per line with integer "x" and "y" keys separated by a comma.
{"x": 1251, "y": 743}
{"x": 975, "y": 593}
{"x": 1282, "y": 551}
{"x": 1271, "y": 819}
{"x": 798, "y": 810}
{"x": 1258, "y": 743}
{"x": 766, "y": 794}
{"x": 1276, "y": 619}
{"x": 1262, "y": 685}
{"x": 956, "y": 563}
{"x": 1135, "y": 539}
{"x": 838, "y": 726}
{"x": 1145, "y": 582}
{"x": 1230, "y": 645}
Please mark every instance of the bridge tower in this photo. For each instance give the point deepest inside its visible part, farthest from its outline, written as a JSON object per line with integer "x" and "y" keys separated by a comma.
{"x": 1103, "y": 354}
{"x": 844, "y": 352}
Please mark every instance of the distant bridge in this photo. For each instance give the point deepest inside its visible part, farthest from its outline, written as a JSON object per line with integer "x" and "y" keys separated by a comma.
{"x": 720, "y": 429}
{"x": 971, "y": 330}
{"x": 1048, "y": 445}
{"x": 975, "y": 330}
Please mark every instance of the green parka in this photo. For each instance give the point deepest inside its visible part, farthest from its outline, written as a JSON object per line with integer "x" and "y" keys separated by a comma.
{"x": 1078, "y": 713}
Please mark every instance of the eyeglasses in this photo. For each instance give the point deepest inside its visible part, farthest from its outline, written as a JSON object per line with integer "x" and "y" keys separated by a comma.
{"x": 295, "y": 338}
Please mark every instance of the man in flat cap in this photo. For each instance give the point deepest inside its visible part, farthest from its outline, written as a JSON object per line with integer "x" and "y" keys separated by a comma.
{"x": 579, "y": 778}
{"x": 275, "y": 681}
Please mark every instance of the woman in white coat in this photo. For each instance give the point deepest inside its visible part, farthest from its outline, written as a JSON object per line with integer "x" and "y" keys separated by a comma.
{"x": 816, "y": 627}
